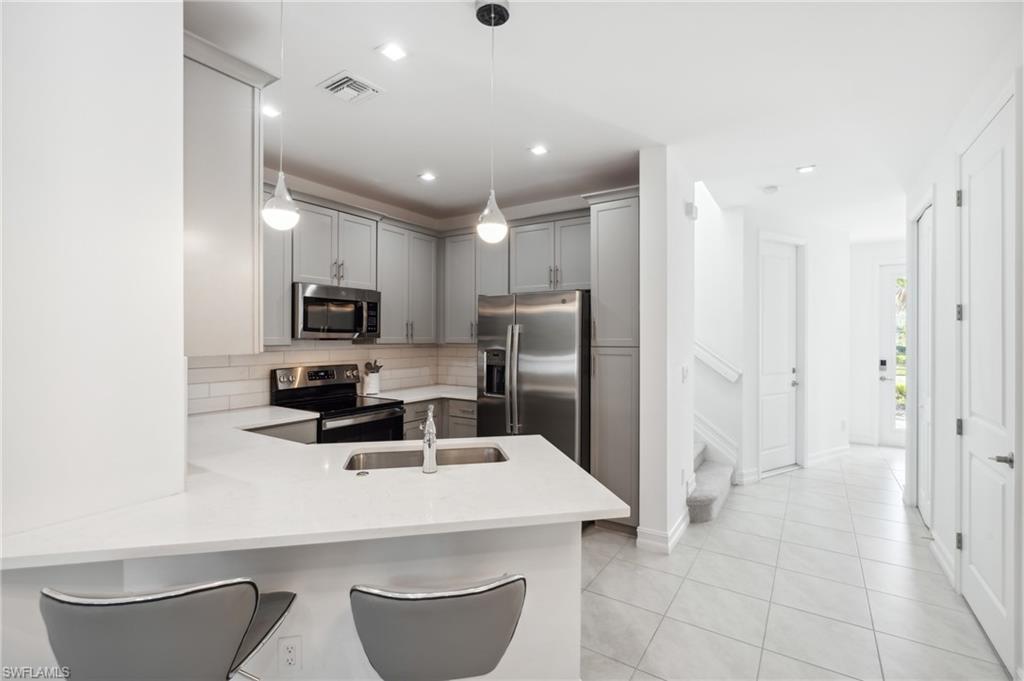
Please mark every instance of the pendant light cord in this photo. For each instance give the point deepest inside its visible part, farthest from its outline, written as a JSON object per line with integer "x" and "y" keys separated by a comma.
{"x": 491, "y": 122}
{"x": 280, "y": 125}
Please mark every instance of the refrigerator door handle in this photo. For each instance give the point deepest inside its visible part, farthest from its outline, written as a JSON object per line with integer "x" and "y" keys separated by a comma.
{"x": 508, "y": 380}
{"x": 514, "y": 388}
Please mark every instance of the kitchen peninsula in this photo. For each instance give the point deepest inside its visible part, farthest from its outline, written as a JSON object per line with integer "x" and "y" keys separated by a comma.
{"x": 292, "y": 517}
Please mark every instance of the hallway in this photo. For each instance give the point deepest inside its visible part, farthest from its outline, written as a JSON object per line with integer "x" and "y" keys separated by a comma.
{"x": 817, "y": 573}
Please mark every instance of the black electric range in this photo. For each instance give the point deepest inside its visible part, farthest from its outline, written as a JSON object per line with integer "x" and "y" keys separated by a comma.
{"x": 331, "y": 392}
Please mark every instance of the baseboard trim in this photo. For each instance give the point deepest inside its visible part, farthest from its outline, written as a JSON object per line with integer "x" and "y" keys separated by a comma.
{"x": 945, "y": 561}
{"x": 717, "y": 441}
{"x": 662, "y": 542}
{"x": 747, "y": 476}
{"x": 822, "y": 454}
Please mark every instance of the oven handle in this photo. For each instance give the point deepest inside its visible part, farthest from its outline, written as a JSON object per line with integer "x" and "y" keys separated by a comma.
{"x": 366, "y": 418}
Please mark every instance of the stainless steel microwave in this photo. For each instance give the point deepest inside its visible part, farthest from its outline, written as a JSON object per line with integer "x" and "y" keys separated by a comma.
{"x": 334, "y": 312}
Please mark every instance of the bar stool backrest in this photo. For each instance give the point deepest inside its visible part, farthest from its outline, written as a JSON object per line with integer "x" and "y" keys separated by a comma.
{"x": 187, "y": 634}
{"x": 439, "y": 635}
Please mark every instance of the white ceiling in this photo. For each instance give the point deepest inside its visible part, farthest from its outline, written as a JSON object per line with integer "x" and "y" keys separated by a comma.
{"x": 751, "y": 90}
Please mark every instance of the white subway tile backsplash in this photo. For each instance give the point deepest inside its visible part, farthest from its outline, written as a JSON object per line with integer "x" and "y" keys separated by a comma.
{"x": 241, "y": 381}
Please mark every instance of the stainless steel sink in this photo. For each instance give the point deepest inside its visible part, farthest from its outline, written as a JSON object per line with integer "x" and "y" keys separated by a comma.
{"x": 408, "y": 458}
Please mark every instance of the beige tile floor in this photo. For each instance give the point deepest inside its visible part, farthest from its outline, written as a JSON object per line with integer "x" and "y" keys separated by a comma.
{"x": 819, "y": 573}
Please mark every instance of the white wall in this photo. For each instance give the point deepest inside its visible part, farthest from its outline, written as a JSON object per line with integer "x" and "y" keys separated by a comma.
{"x": 93, "y": 365}
{"x": 718, "y": 321}
{"x": 826, "y": 370}
{"x": 939, "y": 179}
{"x": 865, "y": 260}
{"x": 666, "y": 346}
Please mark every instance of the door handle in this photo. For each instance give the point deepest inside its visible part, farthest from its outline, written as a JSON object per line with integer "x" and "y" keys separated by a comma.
{"x": 794, "y": 384}
{"x": 883, "y": 379}
{"x": 1008, "y": 459}
{"x": 508, "y": 380}
{"x": 516, "y": 328}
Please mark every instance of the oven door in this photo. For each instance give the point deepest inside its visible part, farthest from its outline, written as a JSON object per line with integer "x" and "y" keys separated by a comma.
{"x": 374, "y": 426}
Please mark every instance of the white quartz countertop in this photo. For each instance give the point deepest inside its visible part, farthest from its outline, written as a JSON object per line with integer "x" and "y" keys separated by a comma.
{"x": 247, "y": 491}
{"x": 432, "y": 392}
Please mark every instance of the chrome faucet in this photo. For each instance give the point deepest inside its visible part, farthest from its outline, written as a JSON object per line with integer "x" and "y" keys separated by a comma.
{"x": 429, "y": 442}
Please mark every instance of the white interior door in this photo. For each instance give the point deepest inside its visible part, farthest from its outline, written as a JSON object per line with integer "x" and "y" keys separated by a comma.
{"x": 892, "y": 355}
{"x": 925, "y": 367}
{"x": 988, "y": 388}
{"x": 779, "y": 378}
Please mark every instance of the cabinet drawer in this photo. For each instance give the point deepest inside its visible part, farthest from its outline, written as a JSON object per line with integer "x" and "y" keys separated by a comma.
{"x": 462, "y": 408}
{"x": 417, "y": 411}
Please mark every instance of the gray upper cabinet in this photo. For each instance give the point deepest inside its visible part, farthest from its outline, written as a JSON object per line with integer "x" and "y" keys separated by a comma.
{"x": 491, "y": 267}
{"x": 222, "y": 230}
{"x": 357, "y": 255}
{"x": 460, "y": 289}
{"x": 315, "y": 244}
{"x": 334, "y": 248}
{"x": 550, "y": 256}
{"x": 531, "y": 258}
{"x": 572, "y": 254}
{"x": 422, "y": 288}
{"x": 277, "y": 285}
{"x": 407, "y": 281}
{"x": 393, "y": 282}
{"x": 614, "y": 424}
{"x": 615, "y": 272}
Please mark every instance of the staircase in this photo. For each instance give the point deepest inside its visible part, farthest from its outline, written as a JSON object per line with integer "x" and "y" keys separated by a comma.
{"x": 714, "y": 480}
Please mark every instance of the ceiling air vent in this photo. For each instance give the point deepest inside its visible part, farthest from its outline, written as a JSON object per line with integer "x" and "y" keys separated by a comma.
{"x": 350, "y": 87}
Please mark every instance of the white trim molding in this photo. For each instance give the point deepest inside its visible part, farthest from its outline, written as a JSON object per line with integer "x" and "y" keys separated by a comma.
{"x": 746, "y": 476}
{"x": 662, "y": 542}
{"x": 717, "y": 441}
{"x": 713, "y": 360}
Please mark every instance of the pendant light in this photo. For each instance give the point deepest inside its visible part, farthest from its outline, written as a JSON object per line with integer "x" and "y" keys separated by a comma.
{"x": 492, "y": 226}
{"x": 280, "y": 211}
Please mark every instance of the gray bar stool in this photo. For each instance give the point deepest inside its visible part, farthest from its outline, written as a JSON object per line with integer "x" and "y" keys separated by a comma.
{"x": 438, "y": 635}
{"x": 203, "y": 632}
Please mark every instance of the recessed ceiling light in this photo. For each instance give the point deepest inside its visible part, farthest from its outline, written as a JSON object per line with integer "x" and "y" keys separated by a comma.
{"x": 770, "y": 189}
{"x": 538, "y": 150}
{"x": 392, "y": 51}
{"x": 428, "y": 176}
{"x": 271, "y": 111}
{"x": 805, "y": 169}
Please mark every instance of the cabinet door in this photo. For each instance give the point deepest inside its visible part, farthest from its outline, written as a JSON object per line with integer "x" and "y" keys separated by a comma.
{"x": 461, "y": 427}
{"x": 615, "y": 273}
{"x": 411, "y": 430}
{"x": 531, "y": 258}
{"x": 393, "y": 283}
{"x": 423, "y": 288}
{"x": 572, "y": 254}
{"x": 615, "y": 424}
{"x": 277, "y": 286}
{"x": 460, "y": 289}
{"x": 357, "y": 252}
{"x": 315, "y": 245}
{"x": 222, "y": 230}
{"x": 491, "y": 268}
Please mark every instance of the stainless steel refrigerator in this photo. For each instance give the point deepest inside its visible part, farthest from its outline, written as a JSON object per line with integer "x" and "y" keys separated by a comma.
{"x": 533, "y": 368}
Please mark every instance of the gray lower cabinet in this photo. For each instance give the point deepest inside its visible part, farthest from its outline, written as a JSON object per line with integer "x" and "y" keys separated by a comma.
{"x": 452, "y": 418}
{"x": 615, "y": 424}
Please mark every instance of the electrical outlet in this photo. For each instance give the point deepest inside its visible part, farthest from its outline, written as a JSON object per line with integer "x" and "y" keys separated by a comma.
{"x": 289, "y": 654}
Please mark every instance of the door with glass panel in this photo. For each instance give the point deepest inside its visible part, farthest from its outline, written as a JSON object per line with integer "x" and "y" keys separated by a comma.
{"x": 892, "y": 356}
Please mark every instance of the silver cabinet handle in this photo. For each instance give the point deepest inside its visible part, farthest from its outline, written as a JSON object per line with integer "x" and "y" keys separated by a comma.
{"x": 407, "y": 331}
{"x": 593, "y": 325}
{"x": 1008, "y": 459}
{"x": 412, "y": 332}
{"x": 557, "y": 275}
{"x": 341, "y": 271}
{"x": 593, "y": 365}
{"x": 334, "y": 270}
{"x": 551, "y": 276}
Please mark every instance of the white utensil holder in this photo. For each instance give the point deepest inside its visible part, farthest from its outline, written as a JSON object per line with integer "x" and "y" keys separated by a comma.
{"x": 371, "y": 386}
